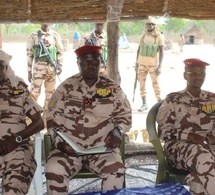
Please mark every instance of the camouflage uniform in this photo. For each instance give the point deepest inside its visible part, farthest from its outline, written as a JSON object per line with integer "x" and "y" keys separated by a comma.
{"x": 86, "y": 115}
{"x": 98, "y": 40}
{"x": 42, "y": 69}
{"x": 148, "y": 65}
{"x": 179, "y": 115}
{"x": 17, "y": 167}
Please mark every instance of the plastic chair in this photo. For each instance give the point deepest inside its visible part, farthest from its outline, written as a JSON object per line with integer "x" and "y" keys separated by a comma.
{"x": 84, "y": 173}
{"x": 36, "y": 186}
{"x": 165, "y": 172}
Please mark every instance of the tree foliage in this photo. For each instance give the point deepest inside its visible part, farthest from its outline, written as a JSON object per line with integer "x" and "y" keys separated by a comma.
{"x": 130, "y": 28}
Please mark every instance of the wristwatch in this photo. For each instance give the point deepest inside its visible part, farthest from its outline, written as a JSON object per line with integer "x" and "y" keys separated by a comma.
{"x": 18, "y": 139}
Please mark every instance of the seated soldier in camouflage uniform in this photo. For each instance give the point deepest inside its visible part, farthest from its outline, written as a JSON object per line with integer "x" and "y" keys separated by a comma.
{"x": 92, "y": 110}
{"x": 17, "y": 163}
{"x": 186, "y": 124}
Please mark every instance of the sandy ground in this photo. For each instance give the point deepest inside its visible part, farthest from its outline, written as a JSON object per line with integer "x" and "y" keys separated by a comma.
{"x": 171, "y": 78}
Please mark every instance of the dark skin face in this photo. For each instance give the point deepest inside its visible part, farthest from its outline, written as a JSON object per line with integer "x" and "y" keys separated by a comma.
{"x": 99, "y": 27}
{"x": 89, "y": 67}
{"x": 45, "y": 27}
{"x": 195, "y": 77}
{"x": 2, "y": 71}
{"x": 150, "y": 26}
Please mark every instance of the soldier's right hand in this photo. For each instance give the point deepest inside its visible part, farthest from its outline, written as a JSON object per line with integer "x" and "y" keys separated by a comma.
{"x": 58, "y": 70}
{"x": 198, "y": 139}
{"x": 3, "y": 148}
{"x": 29, "y": 77}
{"x": 65, "y": 148}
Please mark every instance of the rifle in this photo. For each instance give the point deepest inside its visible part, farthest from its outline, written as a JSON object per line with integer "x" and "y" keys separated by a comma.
{"x": 45, "y": 53}
{"x": 135, "y": 81}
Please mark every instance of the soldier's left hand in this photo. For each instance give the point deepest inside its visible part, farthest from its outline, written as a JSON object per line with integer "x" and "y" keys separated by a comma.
{"x": 112, "y": 140}
{"x": 59, "y": 70}
{"x": 158, "y": 71}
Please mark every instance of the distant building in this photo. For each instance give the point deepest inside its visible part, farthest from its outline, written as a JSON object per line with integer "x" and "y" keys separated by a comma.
{"x": 193, "y": 36}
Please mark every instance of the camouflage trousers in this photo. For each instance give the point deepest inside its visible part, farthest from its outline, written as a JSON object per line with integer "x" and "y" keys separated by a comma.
{"x": 198, "y": 160}
{"x": 60, "y": 168}
{"x": 43, "y": 72}
{"x": 143, "y": 71}
{"x": 17, "y": 170}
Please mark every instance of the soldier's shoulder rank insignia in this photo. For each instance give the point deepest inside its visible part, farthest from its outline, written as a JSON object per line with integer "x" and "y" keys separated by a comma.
{"x": 15, "y": 92}
{"x": 208, "y": 108}
{"x": 103, "y": 92}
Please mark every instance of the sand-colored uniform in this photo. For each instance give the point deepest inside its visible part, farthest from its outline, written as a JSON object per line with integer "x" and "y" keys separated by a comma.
{"x": 179, "y": 115}
{"x": 42, "y": 69}
{"x": 86, "y": 115}
{"x": 148, "y": 64}
{"x": 17, "y": 167}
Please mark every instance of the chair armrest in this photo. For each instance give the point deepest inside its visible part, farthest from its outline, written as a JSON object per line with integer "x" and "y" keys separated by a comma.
{"x": 47, "y": 145}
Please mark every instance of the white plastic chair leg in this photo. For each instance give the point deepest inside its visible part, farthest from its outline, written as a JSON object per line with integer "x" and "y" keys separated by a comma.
{"x": 38, "y": 177}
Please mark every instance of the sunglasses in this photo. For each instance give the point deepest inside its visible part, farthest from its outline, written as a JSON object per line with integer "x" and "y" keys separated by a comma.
{"x": 196, "y": 73}
{"x": 152, "y": 24}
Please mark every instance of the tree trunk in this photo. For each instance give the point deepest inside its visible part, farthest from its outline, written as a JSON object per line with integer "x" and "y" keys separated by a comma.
{"x": 113, "y": 17}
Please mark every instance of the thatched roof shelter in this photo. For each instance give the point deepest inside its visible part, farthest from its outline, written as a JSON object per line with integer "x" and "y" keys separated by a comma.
{"x": 19, "y": 11}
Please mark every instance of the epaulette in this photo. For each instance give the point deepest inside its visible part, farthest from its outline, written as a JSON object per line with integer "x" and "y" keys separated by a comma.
{"x": 173, "y": 95}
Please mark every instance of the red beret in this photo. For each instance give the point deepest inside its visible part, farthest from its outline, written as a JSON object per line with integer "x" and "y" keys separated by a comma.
{"x": 88, "y": 49}
{"x": 194, "y": 62}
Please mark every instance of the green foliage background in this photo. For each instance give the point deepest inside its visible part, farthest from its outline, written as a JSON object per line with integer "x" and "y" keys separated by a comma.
{"x": 171, "y": 27}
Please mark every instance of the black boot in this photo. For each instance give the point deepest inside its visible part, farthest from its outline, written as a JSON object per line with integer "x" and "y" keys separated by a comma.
{"x": 144, "y": 106}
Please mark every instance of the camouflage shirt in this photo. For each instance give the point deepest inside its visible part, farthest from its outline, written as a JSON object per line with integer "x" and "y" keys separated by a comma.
{"x": 15, "y": 105}
{"x": 86, "y": 114}
{"x": 181, "y": 113}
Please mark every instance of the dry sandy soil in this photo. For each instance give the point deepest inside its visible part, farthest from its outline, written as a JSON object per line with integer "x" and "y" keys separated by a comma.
{"x": 171, "y": 78}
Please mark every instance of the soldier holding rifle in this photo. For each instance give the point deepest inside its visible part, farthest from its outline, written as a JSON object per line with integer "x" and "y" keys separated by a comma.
{"x": 149, "y": 59}
{"x": 45, "y": 59}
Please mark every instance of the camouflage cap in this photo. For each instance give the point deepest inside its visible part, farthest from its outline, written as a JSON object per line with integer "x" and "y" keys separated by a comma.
{"x": 194, "y": 62}
{"x": 88, "y": 49}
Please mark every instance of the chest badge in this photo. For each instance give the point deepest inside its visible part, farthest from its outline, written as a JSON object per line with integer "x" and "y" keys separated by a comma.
{"x": 15, "y": 92}
{"x": 208, "y": 108}
{"x": 102, "y": 93}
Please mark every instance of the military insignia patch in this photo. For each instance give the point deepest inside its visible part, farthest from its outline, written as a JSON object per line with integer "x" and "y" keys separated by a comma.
{"x": 103, "y": 92}
{"x": 208, "y": 108}
{"x": 52, "y": 103}
{"x": 16, "y": 92}
{"x": 161, "y": 116}
{"x": 32, "y": 98}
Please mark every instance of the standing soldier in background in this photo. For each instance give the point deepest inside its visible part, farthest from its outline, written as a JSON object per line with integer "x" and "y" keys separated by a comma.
{"x": 181, "y": 43}
{"x": 46, "y": 64}
{"x": 98, "y": 38}
{"x": 148, "y": 61}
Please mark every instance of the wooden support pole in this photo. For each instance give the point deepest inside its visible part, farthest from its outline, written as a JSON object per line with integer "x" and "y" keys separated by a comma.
{"x": 0, "y": 38}
{"x": 113, "y": 17}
